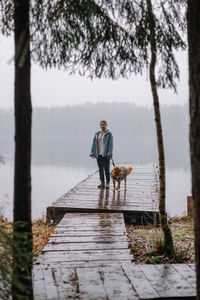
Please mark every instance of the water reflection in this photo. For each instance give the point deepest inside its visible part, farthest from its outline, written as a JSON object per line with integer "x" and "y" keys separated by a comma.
{"x": 103, "y": 200}
{"x": 119, "y": 197}
{"x": 116, "y": 199}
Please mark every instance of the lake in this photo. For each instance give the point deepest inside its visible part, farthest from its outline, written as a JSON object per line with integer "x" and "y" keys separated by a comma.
{"x": 58, "y": 164}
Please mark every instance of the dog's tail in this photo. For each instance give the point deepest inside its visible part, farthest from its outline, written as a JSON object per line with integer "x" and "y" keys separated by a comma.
{"x": 129, "y": 169}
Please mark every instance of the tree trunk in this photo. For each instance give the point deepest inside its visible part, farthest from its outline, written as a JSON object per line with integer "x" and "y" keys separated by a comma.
{"x": 168, "y": 241}
{"x": 22, "y": 236}
{"x": 194, "y": 86}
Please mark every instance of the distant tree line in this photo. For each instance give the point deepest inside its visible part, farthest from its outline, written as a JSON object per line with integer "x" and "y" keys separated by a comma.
{"x": 124, "y": 119}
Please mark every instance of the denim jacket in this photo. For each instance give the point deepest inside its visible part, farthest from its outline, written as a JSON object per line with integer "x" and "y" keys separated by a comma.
{"x": 107, "y": 144}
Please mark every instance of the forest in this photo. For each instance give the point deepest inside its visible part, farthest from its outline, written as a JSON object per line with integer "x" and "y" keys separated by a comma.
{"x": 124, "y": 120}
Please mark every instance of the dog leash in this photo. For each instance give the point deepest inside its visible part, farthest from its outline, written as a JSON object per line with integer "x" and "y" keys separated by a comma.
{"x": 113, "y": 162}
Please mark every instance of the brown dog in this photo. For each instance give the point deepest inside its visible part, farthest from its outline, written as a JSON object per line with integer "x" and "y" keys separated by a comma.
{"x": 118, "y": 174}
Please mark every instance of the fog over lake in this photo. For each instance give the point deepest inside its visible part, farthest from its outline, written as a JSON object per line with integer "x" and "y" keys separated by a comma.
{"x": 60, "y": 162}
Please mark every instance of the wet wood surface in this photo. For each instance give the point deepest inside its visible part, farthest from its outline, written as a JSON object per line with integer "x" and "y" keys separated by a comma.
{"x": 87, "y": 237}
{"x": 88, "y": 258}
{"x": 140, "y": 197}
{"x": 112, "y": 281}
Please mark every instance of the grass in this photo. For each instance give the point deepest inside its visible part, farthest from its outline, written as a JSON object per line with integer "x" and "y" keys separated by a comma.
{"x": 146, "y": 242}
{"x": 41, "y": 232}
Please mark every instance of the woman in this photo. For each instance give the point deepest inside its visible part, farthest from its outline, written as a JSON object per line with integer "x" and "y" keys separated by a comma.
{"x": 102, "y": 147}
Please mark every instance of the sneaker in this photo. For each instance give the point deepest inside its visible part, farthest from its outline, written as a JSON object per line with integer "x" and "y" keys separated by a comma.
{"x": 107, "y": 185}
{"x": 101, "y": 186}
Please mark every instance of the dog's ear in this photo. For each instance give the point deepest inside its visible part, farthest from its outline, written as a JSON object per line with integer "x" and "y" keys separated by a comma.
{"x": 113, "y": 172}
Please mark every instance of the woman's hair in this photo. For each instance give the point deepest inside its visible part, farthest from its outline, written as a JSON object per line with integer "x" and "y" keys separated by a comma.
{"x": 103, "y": 121}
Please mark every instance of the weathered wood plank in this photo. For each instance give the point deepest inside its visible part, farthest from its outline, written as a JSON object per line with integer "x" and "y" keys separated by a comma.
{"x": 70, "y": 222}
{"x": 90, "y": 286}
{"x": 67, "y": 283}
{"x": 50, "y": 284}
{"x": 141, "y": 284}
{"x": 117, "y": 284}
{"x": 78, "y": 264}
{"x": 87, "y": 239}
{"x": 96, "y": 228}
{"x": 163, "y": 281}
{"x": 113, "y": 207}
{"x": 172, "y": 276}
{"x": 91, "y": 217}
{"x": 95, "y": 255}
{"x": 115, "y": 281}
{"x": 187, "y": 273}
{"x": 39, "y": 288}
{"x": 84, "y": 246}
{"x": 86, "y": 233}
{"x": 102, "y": 231}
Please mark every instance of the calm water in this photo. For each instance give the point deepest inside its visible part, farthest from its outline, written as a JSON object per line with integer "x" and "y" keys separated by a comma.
{"x": 59, "y": 164}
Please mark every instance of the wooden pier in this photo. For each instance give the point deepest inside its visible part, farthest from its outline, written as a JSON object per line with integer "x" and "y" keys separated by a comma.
{"x": 88, "y": 256}
{"x": 139, "y": 203}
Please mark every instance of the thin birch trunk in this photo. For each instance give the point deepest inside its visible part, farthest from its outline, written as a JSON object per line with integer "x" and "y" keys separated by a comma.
{"x": 168, "y": 241}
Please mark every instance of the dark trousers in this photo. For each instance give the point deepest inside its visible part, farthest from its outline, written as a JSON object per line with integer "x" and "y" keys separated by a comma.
{"x": 104, "y": 166}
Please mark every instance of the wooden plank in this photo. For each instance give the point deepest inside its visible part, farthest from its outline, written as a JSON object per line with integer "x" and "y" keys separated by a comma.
{"x": 115, "y": 206}
{"x": 112, "y": 207}
{"x": 181, "y": 284}
{"x": 187, "y": 273}
{"x": 91, "y": 216}
{"x": 79, "y": 264}
{"x": 117, "y": 284}
{"x": 50, "y": 284}
{"x": 84, "y": 246}
{"x": 143, "y": 287}
{"x": 192, "y": 266}
{"x": 88, "y": 227}
{"x": 129, "y": 193}
{"x": 87, "y": 233}
{"x": 118, "y": 203}
{"x": 87, "y": 239}
{"x": 67, "y": 282}
{"x": 90, "y": 193}
{"x": 79, "y": 221}
{"x": 39, "y": 289}
{"x": 162, "y": 280}
{"x": 120, "y": 196}
{"x": 105, "y": 255}
{"x": 90, "y": 284}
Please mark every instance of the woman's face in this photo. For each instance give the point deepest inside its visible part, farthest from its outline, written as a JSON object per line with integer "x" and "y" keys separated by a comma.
{"x": 103, "y": 126}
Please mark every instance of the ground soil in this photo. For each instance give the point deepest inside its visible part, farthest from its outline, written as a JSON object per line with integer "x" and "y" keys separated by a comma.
{"x": 146, "y": 242}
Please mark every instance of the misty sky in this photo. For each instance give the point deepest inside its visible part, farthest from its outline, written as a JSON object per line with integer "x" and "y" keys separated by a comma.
{"x": 53, "y": 87}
